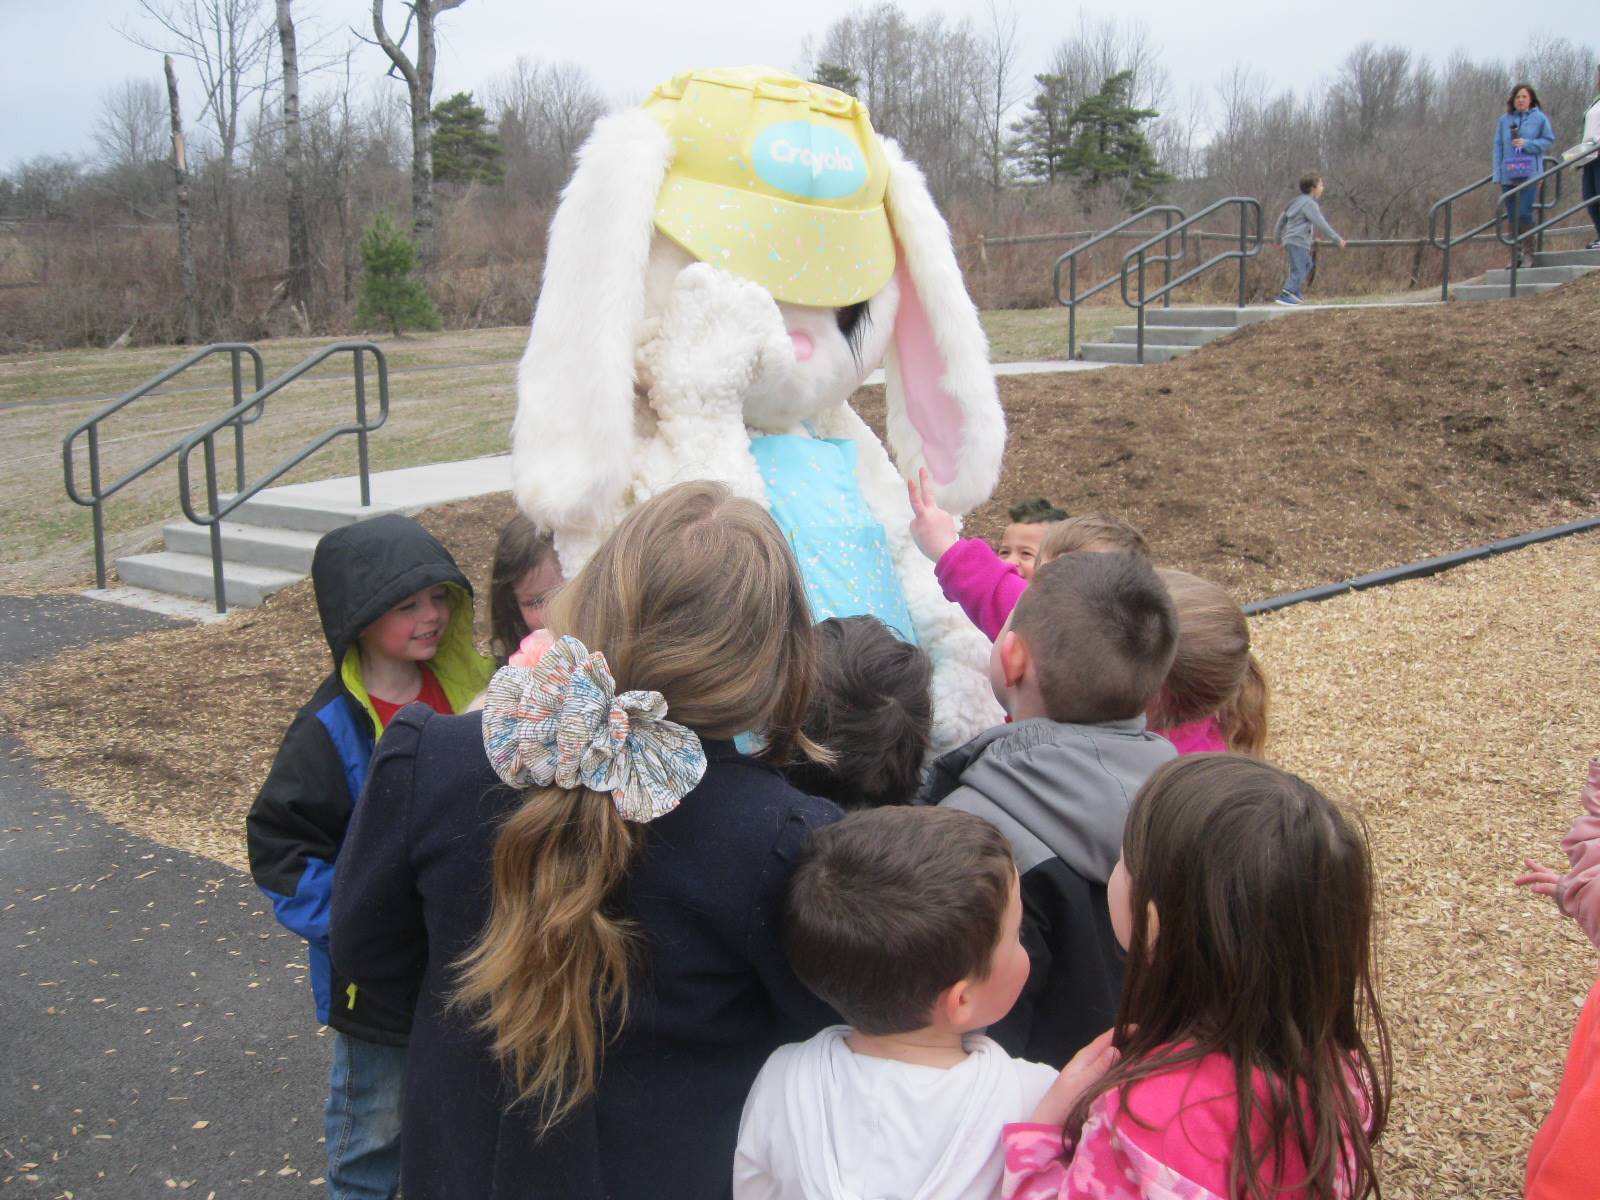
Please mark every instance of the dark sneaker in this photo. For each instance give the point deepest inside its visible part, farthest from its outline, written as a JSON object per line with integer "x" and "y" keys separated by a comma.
{"x": 1287, "y": 300}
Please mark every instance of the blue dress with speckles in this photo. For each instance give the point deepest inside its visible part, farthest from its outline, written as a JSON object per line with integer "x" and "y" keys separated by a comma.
{"x": 844, "y": 556}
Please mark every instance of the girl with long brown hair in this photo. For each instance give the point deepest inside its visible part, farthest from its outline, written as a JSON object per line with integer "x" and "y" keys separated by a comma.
{"x": 583, "y": 884}
{"x": 1249, "y": 1059}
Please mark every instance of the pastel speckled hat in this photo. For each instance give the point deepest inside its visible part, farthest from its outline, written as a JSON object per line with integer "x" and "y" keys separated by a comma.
{"x": 776, "y": 180}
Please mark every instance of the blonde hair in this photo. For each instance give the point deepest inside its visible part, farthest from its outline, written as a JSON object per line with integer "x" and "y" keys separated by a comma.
{"x": 1091, "y": 529}
{"x": 696, "y": 596}
{"x": 1214, "y": 672}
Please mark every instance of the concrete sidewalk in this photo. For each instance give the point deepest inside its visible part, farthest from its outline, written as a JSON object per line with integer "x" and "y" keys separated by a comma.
{"x": 159, "y": 1036}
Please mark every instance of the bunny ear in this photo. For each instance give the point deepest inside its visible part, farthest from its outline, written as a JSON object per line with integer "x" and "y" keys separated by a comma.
{"x": 943, "y": 410}
{"x": 572, "y": 440}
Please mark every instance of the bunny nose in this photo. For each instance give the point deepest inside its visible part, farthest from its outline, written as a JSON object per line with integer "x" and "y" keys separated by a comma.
{"x": 803, "y": 345}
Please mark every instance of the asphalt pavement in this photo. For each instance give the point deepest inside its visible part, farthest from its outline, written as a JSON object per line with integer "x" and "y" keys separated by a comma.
{"x": 157, "y": 1036}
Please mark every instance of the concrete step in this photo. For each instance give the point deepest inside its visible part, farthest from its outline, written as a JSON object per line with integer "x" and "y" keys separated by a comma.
{"x": 253, "y": 545}
{"x": 1567, "y": 258}
{"x": 1498, "y": 291}
{"x": 190, "y": 575}
{"x": 1173, "y": 335}
{"x": 1127, "y": 352}
{"x": 317, "y": 515}
{"x": 1231, "y": 317}
{"x": 1539, "y": 275}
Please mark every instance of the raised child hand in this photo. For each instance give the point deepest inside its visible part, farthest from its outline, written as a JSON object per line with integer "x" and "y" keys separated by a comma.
{"x": 933, "y": 529}
{"x": 1085, "y": 1069}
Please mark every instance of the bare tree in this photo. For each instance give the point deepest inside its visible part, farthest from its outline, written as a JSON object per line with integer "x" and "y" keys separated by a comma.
{"x": 227, "y": 41}
{"x": 997, "y": 88}
{"x": 180, "y": 171}
{"x": 298, "y": 284}
{"x": 130, "y": 130}
{"x": 542, "y": 113}
{"x": 418, "y": 75}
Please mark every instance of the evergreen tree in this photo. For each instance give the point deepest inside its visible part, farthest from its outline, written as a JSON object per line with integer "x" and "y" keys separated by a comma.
{"x": 1042, "y": 135}
{"x": 839, "y": 78}
{"x": 1107, "y": 145}
{"x": 463, "y": 148}
{"x": 388, "y": 292}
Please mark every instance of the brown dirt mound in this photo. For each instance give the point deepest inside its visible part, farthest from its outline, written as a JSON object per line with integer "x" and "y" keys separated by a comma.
{"x": 1324, "y": 444}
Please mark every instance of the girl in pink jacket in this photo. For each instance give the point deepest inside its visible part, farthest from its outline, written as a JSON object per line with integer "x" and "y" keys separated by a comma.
{"x": 1561, "y": 1160}
{"x": 1238, "y": 1065}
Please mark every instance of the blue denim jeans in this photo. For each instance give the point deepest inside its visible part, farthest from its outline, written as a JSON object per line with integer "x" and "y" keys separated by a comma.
{"x": 1519, "y": 208}
{"x": 1299, "y": 269}
{"x": 362, "y": 1119}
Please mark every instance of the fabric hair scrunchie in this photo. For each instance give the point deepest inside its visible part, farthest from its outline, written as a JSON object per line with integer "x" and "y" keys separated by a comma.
{"x": 562, "y": 722}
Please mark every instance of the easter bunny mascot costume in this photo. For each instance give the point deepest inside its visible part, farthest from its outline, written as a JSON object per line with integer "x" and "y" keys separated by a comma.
{"x": 727, "y": 265}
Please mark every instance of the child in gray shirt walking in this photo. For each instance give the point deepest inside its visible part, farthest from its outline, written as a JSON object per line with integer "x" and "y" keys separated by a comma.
{"x": 1294, "y": 232}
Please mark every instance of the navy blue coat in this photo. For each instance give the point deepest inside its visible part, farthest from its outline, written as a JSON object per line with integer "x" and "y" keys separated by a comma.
{"x": 712, "y": 997}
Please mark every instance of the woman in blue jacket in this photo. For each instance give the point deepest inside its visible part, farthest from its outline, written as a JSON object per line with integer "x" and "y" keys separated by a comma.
{"x": 1523, "y": 130}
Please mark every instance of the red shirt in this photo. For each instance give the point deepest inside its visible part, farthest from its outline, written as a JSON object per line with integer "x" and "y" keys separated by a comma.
{"x": 431, "y": 694}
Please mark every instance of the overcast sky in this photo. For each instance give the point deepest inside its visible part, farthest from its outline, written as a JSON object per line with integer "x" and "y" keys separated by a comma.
{"x": 58, "y": 56}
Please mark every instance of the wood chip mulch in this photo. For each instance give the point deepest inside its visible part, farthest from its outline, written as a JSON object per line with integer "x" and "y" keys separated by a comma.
{"x": 1458, "y": 714}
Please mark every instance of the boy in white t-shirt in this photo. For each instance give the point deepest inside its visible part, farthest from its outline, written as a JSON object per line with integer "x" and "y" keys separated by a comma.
{"x": 907, "y": 922}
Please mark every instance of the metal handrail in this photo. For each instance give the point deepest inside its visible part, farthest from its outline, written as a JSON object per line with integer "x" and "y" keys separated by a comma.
{"x": 243, "y": 415}
{"x": 217, "y": 511}
{"x": 1446, "y": 207}
{"x": 1136, "y": 259}
{"x": 1073, "y": 298}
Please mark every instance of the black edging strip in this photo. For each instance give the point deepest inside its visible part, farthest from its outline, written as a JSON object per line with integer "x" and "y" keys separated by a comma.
{"x": 1419, "y": 570}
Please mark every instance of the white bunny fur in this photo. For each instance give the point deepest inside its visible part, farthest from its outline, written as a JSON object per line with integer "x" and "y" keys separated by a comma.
{"x": 645, "y": 368}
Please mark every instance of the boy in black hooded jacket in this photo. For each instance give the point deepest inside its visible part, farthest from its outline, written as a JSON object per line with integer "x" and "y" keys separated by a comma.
{"x": 397, "y": 613}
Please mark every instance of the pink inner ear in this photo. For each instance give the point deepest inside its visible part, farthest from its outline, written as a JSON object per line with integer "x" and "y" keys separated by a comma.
{"x": 933, "y": 412}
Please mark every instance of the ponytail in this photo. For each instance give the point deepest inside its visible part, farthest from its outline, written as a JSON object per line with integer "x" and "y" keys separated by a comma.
{"x": 549, "y": 977}
{"x": 1244, "y": 719}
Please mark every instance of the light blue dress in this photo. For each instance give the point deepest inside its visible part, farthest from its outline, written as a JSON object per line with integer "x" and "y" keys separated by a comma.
{"x": 844, "y": 556}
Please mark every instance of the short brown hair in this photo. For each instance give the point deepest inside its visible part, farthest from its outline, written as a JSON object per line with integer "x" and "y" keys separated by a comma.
{"x": 1308, "y": 182}
{"x": 872, "y": 710}
{"x": 1102, "y": 632}
{"x": 1092, "y": 529}
{"x": 892, "y": 906}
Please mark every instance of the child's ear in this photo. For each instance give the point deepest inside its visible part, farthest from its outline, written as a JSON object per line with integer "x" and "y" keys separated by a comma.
{"x": 953, "y": 1003}
{"x": 1015, "y": 657}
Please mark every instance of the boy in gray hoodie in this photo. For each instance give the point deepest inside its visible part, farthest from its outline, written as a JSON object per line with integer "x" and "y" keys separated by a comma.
{"x": 1294, "y": 232}
{"x": 1079, "y": 659}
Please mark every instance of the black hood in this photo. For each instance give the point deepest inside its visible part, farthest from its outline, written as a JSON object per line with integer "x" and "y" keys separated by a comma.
{"x": 363, "y": 570}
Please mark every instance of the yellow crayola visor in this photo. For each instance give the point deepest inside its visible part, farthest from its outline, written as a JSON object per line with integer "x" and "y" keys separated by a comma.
{"x": 778, "y": 181}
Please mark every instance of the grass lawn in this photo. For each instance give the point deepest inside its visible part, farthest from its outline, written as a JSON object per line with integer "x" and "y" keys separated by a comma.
{"x": 452, "y": 396}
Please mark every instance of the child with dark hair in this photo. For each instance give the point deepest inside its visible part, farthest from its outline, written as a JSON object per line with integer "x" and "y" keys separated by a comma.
{"x": 397, "y": 614}
{"x": 905, "y": 921}
{"x": 1075, "y": 667}
{"x": 1030, "y": 521}
{"x": 1296, "y": 231}
{"x": 1251, "y": 1056}
{"x": 524, "y": 577}
{"x": 872, "y": 711}
{"x": 986, "y": 585}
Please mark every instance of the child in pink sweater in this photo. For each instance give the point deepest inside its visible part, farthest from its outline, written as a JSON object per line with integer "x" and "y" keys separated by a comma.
{"x": 1244, "y": 900}
{"x": 986, "y": 585}
{"x": 1561, "y": 1160}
